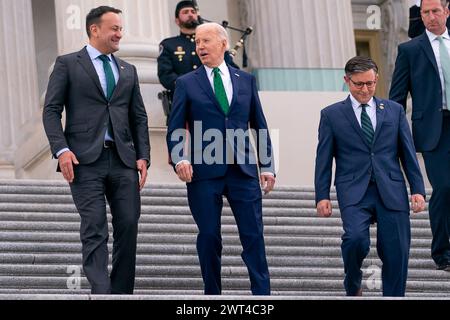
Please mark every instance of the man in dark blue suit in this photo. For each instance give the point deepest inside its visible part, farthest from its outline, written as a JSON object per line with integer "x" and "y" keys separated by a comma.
{"x": 369, "y": 138}
{"x": 219, "y": 104}
{"x": 423, "y": 69}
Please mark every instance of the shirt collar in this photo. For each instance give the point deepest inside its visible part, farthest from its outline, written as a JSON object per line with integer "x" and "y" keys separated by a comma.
{"x": 94, "y": 53}
{"x": 433, "y": 36}
{"x": 223, "y": 69}
{"x": 356, "y": 104}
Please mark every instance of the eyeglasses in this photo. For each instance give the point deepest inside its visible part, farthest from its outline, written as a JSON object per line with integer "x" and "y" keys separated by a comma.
{"x": 360, "y": 85}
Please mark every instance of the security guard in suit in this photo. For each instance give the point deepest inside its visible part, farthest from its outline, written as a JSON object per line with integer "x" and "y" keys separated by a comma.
{"x": 177, "y": 55}
{"x": 416, "y": 26}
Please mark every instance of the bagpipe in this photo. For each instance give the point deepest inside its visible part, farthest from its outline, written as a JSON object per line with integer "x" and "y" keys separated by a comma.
{"x": 239, "y": 44}
{"x": 166, "y": 96}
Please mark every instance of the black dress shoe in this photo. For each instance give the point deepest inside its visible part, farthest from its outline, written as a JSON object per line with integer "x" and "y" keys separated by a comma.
{"x": 444, "y": 266}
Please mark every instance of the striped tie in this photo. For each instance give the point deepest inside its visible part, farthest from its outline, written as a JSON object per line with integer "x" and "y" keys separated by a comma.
{"x": 366, "y": 124}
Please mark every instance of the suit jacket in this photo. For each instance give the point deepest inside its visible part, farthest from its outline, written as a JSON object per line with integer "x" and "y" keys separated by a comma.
{"x": 341, "y": 137}
{"x": 195, "y": 104}
{"x": 416, "y": 72}
{"x": 75, "y": 86}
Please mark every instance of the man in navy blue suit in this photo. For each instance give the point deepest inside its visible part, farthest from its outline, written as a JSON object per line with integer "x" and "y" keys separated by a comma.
{"x": 369, "y": 138}
{"x": 219, "y": 104}
{"x": 423, "y": 69}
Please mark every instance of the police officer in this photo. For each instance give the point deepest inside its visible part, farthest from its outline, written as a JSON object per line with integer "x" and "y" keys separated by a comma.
{"x": 177, "y": 54}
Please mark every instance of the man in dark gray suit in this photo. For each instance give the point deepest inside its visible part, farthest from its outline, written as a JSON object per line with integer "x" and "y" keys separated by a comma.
{"x": 103, "y": 149}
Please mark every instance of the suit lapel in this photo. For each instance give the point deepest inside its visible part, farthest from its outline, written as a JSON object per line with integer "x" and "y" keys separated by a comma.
{"x": 380, "y": 117}
{"x": 425, "y": 44}
{"x": 203, "y": 80}
{"x": 86, "y": 63}
{"x": 351, "y": 117}
{"x": 235, "y": 82}
{"x": 122, "y": 70}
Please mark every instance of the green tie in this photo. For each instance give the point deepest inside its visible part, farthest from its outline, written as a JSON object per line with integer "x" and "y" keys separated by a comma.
{"x": 219, "y": 90}
{"x": 110, "y": 80}
{"x": 366, "y": 124}
{"x": 445, "y": 64}
{"x": 110, "y": 86}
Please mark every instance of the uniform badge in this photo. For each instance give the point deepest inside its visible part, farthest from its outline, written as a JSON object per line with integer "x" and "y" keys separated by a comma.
{"x": 180, "y": 53}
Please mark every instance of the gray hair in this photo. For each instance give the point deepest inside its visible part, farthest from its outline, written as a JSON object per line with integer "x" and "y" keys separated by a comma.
{"x": 220, "y": 31}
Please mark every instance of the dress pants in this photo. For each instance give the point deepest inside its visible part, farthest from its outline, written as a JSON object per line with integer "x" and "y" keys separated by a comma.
{"x": 108, "y": 178}
{"x": 437, "y": 164}
{"x": 393, "y": 242}
{"x": 244, "y": 195}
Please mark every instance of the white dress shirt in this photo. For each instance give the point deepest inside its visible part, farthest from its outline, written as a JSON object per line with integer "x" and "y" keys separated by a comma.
{"x": 226, "y": 79}
{"x": 371, "y": 111}
{"x": 435, "y": 45}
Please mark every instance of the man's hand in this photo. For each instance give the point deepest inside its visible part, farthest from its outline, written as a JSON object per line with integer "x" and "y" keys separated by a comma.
{"x": 185, "y": 171}
{"x": 267, "y": 182}
{"x": 417, "y": 203}
{"x": 142, "y": 168}
{"x": 324, "y": 208}
{"x": 66, "y": 161}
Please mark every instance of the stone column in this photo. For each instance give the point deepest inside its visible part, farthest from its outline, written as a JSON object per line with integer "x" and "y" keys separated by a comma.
{"x": 146, "y": 23}
{"x": 299, "y": 33}
{"x": 18, "y": 89}
{"x": 395, "y": 19}
{"x": 308, "y": 42}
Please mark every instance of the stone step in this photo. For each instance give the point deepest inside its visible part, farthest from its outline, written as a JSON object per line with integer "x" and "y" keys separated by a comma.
{"x": 189, "y": 249}
{"x": 182, "y": 283}
{"x": 186, "y": 218}
{"x": 40, "y": 246}
{"x": 177, "y": 295}
{"x": 312, "y": 230}
{"x": 194, "y": 271}
{"x": 186, "y": 260}
{"x": 289, "y": 240}
{"x": 18, "y": 214}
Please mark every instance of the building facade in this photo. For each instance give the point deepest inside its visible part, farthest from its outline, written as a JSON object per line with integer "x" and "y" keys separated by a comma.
{"x": 297, "y": 51}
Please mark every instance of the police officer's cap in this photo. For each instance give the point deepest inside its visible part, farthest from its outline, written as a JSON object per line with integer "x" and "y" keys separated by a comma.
{"x": 182, "y": 5}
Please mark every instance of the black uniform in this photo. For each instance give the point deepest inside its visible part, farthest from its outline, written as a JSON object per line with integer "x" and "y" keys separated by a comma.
{"x": 177, "y": 57}
{"x": 416, "y": 26}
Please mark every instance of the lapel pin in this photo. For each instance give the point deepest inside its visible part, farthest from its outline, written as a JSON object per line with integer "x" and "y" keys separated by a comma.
{"x": 381, "y": 106}
{"x": 122, "y": 67}
{"x": 237, "y": 75}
